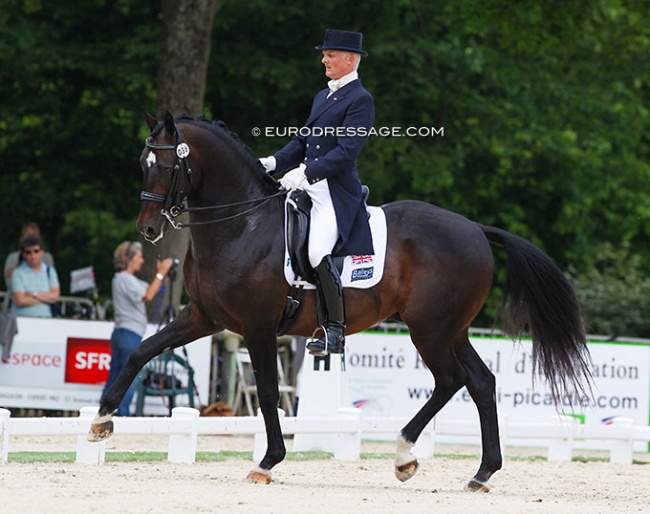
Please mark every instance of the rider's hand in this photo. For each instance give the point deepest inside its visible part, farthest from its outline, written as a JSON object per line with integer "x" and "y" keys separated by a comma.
{"x": 294, "y": 178}
{"x": 268, "y": 163}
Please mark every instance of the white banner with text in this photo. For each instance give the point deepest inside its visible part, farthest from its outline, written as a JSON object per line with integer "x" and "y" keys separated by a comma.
{"x": 388, "y": 378}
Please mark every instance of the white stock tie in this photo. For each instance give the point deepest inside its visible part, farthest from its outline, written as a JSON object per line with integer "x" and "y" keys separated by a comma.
{"x": 334, "y": 85}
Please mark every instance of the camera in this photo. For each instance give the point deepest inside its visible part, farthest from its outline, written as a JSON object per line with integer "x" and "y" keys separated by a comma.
{"x": 172, "y": 271}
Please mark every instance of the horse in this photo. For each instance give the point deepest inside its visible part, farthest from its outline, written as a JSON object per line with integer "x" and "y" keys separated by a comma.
{"x": 439, "y": 269}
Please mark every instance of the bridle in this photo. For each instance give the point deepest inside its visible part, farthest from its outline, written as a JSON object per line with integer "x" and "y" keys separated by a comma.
{"x": 173, "y": 200}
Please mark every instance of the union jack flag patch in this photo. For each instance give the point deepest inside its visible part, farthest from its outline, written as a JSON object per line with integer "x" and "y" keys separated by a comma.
{"x": 361, "y": 259}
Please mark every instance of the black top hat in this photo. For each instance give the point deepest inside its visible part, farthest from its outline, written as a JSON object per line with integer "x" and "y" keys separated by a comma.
{"x": 342, "y": 40}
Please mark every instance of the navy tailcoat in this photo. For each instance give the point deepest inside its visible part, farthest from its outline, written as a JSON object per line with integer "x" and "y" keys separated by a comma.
{"x": 329, "y": 143}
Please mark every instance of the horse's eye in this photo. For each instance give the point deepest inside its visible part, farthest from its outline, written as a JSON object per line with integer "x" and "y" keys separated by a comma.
{"x": 164, "y": 168}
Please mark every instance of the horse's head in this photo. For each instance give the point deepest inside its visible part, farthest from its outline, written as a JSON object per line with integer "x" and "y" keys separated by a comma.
{"x": 166, "y": 174}
{"x": 205, "y": 164}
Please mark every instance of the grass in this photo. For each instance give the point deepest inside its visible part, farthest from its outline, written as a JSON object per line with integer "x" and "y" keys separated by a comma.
{"x": 202, "y": 456}
{"x": 220, "y": 456}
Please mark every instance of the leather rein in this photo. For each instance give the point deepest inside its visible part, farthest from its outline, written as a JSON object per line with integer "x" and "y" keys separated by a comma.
{"x": 173, "y": 200}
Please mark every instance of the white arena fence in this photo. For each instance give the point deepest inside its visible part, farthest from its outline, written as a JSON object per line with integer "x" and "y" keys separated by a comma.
{"x": 561, "y": 435}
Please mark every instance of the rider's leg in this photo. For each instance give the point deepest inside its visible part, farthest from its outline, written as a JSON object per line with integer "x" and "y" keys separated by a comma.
{"x": 329, "y": 283}
{"x": 323, "y": 234}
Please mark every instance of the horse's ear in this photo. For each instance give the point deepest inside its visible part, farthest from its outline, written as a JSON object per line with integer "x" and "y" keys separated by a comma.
{"x": 170, "y": 126}
{"x": 151, "y": 121}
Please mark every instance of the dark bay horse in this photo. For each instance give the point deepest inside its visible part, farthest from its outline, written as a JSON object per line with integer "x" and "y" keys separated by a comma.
{"x": 439, "y": 271}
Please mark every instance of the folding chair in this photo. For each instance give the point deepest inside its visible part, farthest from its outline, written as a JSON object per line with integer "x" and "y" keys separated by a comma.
{"x": 247, "y": 389}
{"x": 159, "y": 379}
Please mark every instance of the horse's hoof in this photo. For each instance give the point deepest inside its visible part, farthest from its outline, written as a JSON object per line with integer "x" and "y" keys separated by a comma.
{"x": 100, "y": 431}
{"x": 406, "y": 471}
{"x": 477, "y": 487}
{"x": 259, "y": 476}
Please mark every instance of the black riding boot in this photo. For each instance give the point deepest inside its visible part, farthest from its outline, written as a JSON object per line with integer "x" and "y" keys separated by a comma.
{"x": 330, "y": 288}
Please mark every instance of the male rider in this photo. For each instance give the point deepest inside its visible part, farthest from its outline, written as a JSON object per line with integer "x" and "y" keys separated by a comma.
{"x": 322, "y": 161}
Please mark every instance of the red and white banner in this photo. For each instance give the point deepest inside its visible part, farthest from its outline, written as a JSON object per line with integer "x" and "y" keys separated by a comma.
{"x": 63, "y": 364}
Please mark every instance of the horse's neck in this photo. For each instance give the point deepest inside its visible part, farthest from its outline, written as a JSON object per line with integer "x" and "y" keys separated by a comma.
{"x": 223, "y": 188}
{"x": 249, "y": 215}
{"x": 227, "y": 175}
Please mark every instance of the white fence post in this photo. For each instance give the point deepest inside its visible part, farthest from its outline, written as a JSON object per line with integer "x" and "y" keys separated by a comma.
{"x": 87, "y": 452}
{"x": 561, "y": 448}
{"x": 4, "y": 435}
{"x": 622, "y": 448}
{"x": 260, "y": 444}
{"x": 182, "y": 447}
{"x": 324, "y": 390}
{"x": 348, "y": 446}
{"x": 425, "y": 446}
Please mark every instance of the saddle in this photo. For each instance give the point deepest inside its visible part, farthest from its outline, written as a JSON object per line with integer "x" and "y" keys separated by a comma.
{"x": 298, "y": 210}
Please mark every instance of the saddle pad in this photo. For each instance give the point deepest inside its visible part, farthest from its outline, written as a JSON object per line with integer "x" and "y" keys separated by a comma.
{"x": 359, "y": 271}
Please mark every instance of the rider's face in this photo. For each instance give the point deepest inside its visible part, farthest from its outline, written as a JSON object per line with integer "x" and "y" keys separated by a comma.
{"x": 337, "y": 63}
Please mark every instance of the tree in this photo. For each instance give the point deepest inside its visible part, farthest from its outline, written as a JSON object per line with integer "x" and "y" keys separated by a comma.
{"x": 544, "y": 105}
{"x": 183, "y": 61}
{"x": 73, "y": 78}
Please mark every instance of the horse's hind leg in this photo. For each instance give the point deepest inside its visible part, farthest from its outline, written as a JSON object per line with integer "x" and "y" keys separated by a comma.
{"x": 481, "y": 387}
{"x": 449, "y": 377}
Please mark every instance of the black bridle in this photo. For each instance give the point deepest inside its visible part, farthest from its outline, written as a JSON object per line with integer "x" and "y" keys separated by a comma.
{"x": 173, "y": 200}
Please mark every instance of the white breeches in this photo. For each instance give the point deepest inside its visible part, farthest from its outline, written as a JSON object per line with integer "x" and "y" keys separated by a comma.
{"x": 323, "y": 230}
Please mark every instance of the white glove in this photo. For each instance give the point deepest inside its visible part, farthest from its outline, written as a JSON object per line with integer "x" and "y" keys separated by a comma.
{"x": 292, "y": 179}
{"x": 268, "y": 163}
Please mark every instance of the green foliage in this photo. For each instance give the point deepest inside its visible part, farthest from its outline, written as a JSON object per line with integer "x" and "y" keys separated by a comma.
{"x": 544, "y": 107}
{"x": 73, "y": 79}
{"x": 615, "y": 294}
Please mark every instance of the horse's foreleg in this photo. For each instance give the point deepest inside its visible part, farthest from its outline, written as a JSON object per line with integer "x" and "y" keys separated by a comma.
{"x": 481, "y": 387}
{"x": 264, "y": 359}
{"x": 449, "y": 378}
{"x": 187, "y": 327}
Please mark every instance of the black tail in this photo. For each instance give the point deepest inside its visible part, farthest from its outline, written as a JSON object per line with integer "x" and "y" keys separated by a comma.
{"x": 539, "y": 299}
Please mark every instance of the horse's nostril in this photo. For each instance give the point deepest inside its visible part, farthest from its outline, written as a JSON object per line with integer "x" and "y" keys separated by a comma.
{"x": 149, "y": 233}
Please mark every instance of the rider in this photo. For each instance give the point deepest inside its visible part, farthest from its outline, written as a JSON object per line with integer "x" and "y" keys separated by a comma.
{"x": 322, "y": 161}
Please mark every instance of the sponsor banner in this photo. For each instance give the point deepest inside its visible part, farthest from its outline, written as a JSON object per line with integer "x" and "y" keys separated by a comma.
{"x": 88, "y": 361}
{"x": 388, "y": 378}
{"x": 63, "y": 364}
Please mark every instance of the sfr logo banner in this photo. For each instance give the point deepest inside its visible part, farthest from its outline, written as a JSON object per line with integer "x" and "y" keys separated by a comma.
{"x": 88, "y": 361}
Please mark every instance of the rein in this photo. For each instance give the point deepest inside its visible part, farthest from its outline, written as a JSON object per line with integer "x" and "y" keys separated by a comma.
{"x": 173, "y": 200}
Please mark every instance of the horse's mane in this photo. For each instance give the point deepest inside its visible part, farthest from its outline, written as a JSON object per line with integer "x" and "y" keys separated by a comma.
{"x": 220, "y": 126}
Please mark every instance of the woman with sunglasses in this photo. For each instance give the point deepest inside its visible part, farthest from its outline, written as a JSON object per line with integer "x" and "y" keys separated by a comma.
{"x": 15, "y": 258}
{"x": 34, "y": 284}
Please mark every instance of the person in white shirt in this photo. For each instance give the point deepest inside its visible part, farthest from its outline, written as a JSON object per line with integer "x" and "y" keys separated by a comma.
{"x": 129, "y": 297}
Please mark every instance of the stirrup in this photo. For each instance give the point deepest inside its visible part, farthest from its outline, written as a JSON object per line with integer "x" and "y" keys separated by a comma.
{"x": 313, "y": 339}
{"x": 321, "y": 347}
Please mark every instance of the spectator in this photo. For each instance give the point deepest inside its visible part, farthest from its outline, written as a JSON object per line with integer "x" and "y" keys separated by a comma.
{"x": 34, "y": 284}
{"x": 15, "y": 258}
{"x": 129, "y": 297}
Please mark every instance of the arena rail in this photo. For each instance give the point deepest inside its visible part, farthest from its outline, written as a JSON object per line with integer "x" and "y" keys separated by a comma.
{"x": 185, "y": 425}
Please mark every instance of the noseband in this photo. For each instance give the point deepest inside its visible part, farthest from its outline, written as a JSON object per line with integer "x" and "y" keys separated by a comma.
{"x": 173, "y": 200}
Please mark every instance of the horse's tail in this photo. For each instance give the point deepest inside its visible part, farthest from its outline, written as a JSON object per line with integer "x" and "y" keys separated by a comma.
{"x": 540, "y": 300}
